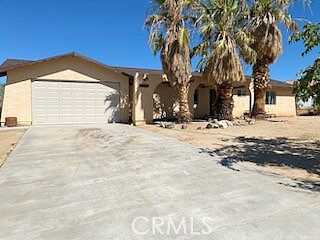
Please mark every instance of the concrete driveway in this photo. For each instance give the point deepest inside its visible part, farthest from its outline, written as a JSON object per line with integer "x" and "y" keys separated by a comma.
{"x": 120, "y": 182}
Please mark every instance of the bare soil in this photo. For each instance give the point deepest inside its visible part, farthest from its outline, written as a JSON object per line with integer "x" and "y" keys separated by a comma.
{"x": 284, "y": 146}
{"x": 8, "y": 140}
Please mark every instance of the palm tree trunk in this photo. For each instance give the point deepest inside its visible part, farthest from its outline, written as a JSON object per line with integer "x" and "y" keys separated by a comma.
{"x": 258, "y": 110}
{"x": 224, "y": 106}
{"x": 261, "y": 82}
{"x": 184, "y": 114}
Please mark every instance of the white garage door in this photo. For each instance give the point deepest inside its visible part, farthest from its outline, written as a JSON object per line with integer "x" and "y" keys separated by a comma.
{"x": 56, "y": 102}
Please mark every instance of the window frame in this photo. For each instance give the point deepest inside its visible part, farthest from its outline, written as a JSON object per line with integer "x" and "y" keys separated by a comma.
{"x": 271, "y": 98}
{"x": 241, "y": 92}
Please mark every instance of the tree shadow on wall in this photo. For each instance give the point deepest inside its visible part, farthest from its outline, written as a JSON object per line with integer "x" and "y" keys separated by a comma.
{"x": 111, "y": 103}
{"x": 281, "y": 152}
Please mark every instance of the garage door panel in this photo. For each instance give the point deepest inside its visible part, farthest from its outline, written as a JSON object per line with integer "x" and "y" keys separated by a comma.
{"x": 73, "y": 102}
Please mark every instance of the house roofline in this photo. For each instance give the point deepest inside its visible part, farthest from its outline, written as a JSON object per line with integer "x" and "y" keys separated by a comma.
{"x": 127, "y": 71}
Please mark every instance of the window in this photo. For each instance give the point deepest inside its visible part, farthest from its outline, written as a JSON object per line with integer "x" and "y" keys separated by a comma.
{"x": 271, "y": 98}
{"x": 196, "y": 97}
{"x": 241, "y": 91}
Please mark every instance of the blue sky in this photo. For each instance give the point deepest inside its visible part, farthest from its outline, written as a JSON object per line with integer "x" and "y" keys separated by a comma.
{"x": 109, "y": 31}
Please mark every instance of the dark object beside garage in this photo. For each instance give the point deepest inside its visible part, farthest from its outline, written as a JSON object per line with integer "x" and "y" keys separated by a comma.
{"x": 11, "y": 122}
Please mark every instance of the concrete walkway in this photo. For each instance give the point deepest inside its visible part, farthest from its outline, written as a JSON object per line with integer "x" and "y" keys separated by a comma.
{"x": 118, "y": 182}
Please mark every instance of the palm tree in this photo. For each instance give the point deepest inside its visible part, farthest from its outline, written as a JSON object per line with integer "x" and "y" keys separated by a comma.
{"x": 266, "y": 15}
{"x": 169, "y": 35}
{"x": 224, "y": 43}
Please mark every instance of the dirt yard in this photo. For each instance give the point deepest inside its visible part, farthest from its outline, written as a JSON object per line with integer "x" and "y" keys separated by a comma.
{"x": 284, "y": 146}
{"x": 8, "y": 140}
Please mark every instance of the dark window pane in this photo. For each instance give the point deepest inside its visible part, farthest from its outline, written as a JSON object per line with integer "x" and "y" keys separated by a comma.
{"x": 241, "y": 91}
{"x": 196, "y": 97}
{"x": 271, "y": 98}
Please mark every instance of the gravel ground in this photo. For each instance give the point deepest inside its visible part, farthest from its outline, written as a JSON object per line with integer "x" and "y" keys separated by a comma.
{"x": 8, "y": 140}
{"x": 285, "y": 146}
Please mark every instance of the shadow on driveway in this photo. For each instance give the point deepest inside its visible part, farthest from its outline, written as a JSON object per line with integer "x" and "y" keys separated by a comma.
{"x": 281, "y": 152}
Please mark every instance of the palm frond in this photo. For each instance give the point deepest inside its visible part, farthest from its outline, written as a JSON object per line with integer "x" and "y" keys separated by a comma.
{"x": 224, "y": 40}
{"x": 184, "y": 37}
{"x": 265, "y": 17}
{"x": 169, "y": 35}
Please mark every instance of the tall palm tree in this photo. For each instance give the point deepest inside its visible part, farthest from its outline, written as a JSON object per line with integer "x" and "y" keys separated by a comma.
{"x": 224, "y": 43}
{"x": 169, "y": 35}
{"x": 266, "y": 15}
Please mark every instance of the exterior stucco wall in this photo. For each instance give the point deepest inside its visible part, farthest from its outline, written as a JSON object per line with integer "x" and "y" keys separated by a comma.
{"x": 143, "y": 96}
{"x": 165, "y": 102}
{"x": 170, "y": 106}
{"x": 241, "y": 105}
{"x": 72, "y": 69}
{"x": 17, "y": 102}
{"x": 69, "y": 75}
{"x": 144, "y": 106}
{"x": 285, "y": 103}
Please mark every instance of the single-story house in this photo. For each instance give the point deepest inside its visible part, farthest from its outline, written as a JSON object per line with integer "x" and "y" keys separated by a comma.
{"x": 74, "y": 89}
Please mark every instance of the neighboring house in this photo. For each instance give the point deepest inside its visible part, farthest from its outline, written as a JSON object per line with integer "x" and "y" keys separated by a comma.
{"x": 74, "y": 89}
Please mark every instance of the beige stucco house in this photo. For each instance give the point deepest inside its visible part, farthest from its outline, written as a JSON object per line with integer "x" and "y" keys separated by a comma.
{"x": 74, "y": 89}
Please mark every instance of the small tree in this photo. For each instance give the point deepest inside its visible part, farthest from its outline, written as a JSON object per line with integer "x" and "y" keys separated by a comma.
{"x": 308, "y": 84}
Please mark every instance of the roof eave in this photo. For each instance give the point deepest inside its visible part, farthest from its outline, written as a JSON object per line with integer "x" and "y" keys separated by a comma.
{"x": 128, "y": 72}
